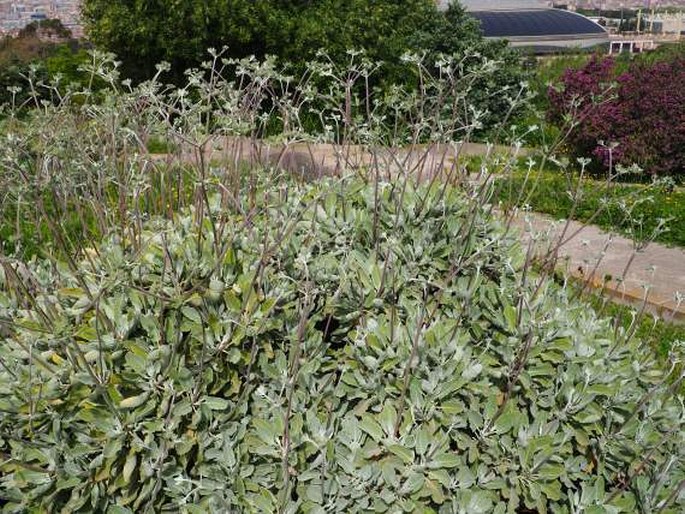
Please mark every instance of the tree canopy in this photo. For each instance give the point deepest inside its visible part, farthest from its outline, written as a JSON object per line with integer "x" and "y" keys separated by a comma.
{"x": 143, "y": 32}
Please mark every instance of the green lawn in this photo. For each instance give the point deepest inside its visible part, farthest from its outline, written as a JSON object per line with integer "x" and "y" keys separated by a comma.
{"x": 634, "y": 210}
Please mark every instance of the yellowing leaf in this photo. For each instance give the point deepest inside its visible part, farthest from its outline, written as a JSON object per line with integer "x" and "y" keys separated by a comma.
{"x": 133, "y": 401}
{"x": 71, "y": 292}
{"x": 86, "y": 333}
{"x": 129, "y": 467}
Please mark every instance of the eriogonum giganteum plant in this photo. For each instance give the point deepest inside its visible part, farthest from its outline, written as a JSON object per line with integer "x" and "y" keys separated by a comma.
{"x": 195, "y": 334}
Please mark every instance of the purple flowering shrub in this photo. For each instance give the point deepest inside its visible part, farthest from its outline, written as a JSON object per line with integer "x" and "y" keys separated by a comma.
{"x": 637, "y": 116}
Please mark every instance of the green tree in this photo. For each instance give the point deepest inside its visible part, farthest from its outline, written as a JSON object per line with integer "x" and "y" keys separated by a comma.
{"x": 455, "y": 32}
{"x": 143, "y": 33}
{"x": 49, "y": 27}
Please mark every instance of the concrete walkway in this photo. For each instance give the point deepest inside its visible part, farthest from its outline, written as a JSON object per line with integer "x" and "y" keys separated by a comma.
{"x": 617, "y": 266}
{"x": 315, "y": 160}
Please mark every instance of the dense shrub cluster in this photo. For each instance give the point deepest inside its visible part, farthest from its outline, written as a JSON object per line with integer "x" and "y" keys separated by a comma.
{"x": 191, "y": 333}
{"x": 637, "y": 116}
{"x": 69, "y": 165}
{"x": 294, "y": 32}
{"x": 339, "y": 347}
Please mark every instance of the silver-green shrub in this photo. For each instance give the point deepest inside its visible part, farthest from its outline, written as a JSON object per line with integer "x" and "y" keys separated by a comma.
{"x": 223, "y": 338}
{"x": 345, "y": 348}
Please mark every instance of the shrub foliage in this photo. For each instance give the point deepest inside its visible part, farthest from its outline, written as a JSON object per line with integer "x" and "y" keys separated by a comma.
{"x": 342, "y": 347}
{"x": 195, "y": 334}
{"x": 29, "y": 57}
{"x": 635, "y": 117}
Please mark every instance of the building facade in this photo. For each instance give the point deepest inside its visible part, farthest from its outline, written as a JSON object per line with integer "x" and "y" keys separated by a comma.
{"x": 15, "y": 15}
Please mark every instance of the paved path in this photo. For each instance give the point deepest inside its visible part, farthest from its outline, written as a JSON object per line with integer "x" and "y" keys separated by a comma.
{"x": 314, "y": 160}
{"x": 655, "y": 273}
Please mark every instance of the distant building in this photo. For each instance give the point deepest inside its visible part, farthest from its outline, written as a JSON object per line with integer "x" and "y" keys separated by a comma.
{"x": 662, "y": 23}
{"x": 15, "y": 15}
{"x": 534, "y": 25}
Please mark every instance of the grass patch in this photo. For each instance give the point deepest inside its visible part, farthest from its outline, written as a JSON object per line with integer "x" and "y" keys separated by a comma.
{"x": 635, "y": 210}
{"x": 59, "y": 221}
{"x": 157, "y": 145}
